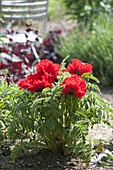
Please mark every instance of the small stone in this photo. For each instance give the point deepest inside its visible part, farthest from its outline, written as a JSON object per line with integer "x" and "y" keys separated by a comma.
{"x": 72, "y": 163}
{"x": 29, "y": 165}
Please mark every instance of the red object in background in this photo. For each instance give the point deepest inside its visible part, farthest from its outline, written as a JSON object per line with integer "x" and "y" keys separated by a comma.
{"x": 17, "y": 67}
{"x": 3, "y": 66}
{"x": 23, "y": 54}
{"x": 10, "y": 39}
{"x": 4, "y": 50}
{"x": 28, "y": 25}
{"x": 46, "y": 42}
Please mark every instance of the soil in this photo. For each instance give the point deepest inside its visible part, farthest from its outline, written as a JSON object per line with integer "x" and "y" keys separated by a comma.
{"x": 43, "y": 159}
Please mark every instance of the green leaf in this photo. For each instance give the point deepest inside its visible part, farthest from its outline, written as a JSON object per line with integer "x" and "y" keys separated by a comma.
{"x": 105, "y": 163}
{"x": 94, "y": 87}
{"x": 80, "y": 112}
{"x": 88, "y": 76}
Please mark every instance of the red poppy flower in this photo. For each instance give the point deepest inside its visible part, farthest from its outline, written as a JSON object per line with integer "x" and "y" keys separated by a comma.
{"x": 34, "y": 83}
{"x": 48, "y": 68}
{"x": 38, "y": 85}
{"x": 86, "y": 68}
{"x": 23, "y": 83}
{"x": 78, "y": 67}
{"x": 75, "y": 85}
{"x": 75, "y": 67}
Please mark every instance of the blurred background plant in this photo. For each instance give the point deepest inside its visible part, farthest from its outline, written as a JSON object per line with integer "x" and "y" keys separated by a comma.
{"x": 94, "y": 47}
{"x": 85, "y": 12}
{"x": 56, "y": 9}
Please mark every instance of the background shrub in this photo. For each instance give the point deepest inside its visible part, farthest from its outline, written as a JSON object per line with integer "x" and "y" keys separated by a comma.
{"x": 95, "y": 47}
{"x": 88, "y": 10}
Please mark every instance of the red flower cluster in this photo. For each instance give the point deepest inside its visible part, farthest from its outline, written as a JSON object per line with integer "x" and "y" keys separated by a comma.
{"x": 46, "y": 73}
{"x": 78, "y": 67}
{"x": 75, "y": 85}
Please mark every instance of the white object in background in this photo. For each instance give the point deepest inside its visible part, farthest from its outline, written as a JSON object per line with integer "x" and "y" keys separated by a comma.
{"x": 21, "y": 38}
{"x": 12, "y": 57}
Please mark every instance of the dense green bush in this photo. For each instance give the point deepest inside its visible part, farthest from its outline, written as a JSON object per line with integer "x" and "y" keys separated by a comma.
{"x": 95, "y": 47}
{"x": 47, "y": 117}
{"x": 88, "y": 10}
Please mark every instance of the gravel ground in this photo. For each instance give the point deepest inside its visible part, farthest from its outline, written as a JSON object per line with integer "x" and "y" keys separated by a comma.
{"x": 107, "y": 94}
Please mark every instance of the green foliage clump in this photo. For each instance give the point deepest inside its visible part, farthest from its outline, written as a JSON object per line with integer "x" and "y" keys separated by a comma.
{"x": 8, "y": 98}
{"x": 48, "y": 119}
{"x": 95, "y": 46}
